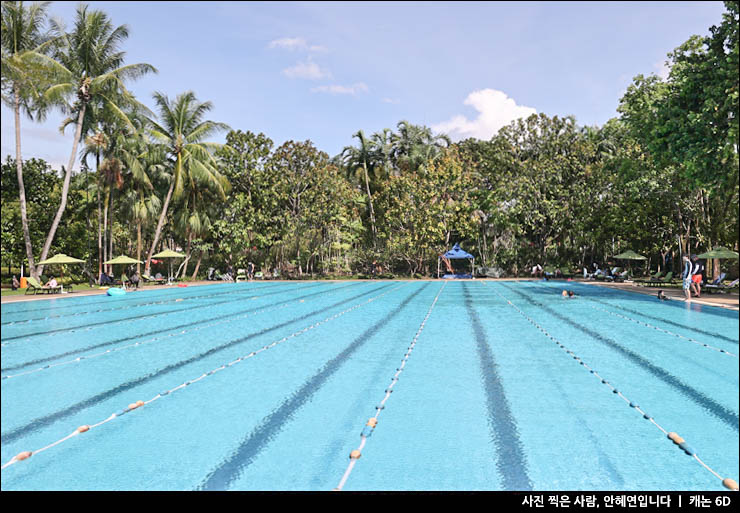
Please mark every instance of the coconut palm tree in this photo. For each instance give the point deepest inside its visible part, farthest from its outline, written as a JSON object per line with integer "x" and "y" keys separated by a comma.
{"x": 23, "y": 42}
{"x": 90, "y": 81}
{"x": 362, "y": 158}
{"x": 182, "y": 133}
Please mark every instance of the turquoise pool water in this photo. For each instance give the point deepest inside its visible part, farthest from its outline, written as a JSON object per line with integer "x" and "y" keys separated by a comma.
{"x": 267, "y": 386}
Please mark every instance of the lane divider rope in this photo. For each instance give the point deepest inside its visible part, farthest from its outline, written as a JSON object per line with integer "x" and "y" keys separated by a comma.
{"x": 116, "y": 308}
{"x": 674, "y": 437}
{"x": 373, "y": 421}
{"x": 663, "y": 330}
{"x": 133, "y": 406}
{"x": 160, "y": 337}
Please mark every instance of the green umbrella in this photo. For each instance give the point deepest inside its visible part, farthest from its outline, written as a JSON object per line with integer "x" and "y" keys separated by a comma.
{"x": 123, "y": 259}
{"x": 630, "y": 255}
{"x": 61, "y": 258}
{"x": 168, "y": 253}
{"x": 719, "y": 252}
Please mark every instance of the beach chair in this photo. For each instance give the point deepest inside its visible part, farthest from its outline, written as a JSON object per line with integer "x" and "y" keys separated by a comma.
{"x": 719, "y": 287}
{"x": 666, "y": 280}
{"x": 149, "y": 279}
{"x": 241, "y": 275}
{"x": 259, "y": 276}
{"x": 34, "y": 286}
{"x": 653, "y": 278}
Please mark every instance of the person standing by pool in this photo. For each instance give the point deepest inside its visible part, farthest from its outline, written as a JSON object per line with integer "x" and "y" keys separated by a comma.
{"x": 696, "y": 275}
{"x": 15, "y": 285}
{"x": 686, "y": 275}
{"x": 250, "y": 271}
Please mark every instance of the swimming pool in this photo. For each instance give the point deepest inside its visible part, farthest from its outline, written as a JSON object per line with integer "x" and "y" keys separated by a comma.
{"x": 475, "y": 385}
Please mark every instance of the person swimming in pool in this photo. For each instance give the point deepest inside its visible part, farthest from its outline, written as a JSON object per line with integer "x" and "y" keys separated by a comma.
{"x": 662, "y": 296}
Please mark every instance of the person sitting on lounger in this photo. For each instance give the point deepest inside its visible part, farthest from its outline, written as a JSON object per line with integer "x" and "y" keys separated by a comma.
{"x": 105, "y": 279}
{"x": 135, "y": 279}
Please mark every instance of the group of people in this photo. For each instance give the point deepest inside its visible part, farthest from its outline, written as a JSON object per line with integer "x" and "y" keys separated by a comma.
{"x": 692, "y": 276}
{"x": 109, "y": 279}
{"x": 51, "y": 284}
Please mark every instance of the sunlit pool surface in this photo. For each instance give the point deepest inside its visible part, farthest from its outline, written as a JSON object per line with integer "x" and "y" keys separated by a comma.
{"x": 475, "y": 385}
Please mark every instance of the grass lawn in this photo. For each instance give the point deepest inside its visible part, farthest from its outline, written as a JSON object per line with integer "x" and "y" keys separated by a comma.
{"x": 20, "y": 292}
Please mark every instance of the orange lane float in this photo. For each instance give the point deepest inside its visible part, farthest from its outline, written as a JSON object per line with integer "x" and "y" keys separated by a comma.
{"x": 730, "y": 484}
{"x": 23, "y": 455}
{"x": 355, "y": 455}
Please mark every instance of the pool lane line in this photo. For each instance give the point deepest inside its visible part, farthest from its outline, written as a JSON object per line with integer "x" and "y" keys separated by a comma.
{"x": 85, "y": 428}
{"x": 677, "y": 440}
{"x": 722, "y": 413}
{"x": 89, "y": 326}
{"x": 252, "y": 444}
{"x": 137, "y": 305}
{"x": 165, "y": 330}
{"x": 511, "y": 461}
{"x": 51, "y": 418}
{"x": 234, "y": 316}
{"x": 372, "y": 423}
{"x": 643, "y": 323}
{"x": 155, "y": 292}
{"x": 672, "y": 323}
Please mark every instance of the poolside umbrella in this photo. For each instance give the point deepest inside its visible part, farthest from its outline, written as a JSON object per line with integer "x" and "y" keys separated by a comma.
{"x": 719, "y": 253}
{"x": 123, "y": 259}
{"x": 630, "y": 255}
{"x": 169, "y": 254}
{"x": 61, "y": 258}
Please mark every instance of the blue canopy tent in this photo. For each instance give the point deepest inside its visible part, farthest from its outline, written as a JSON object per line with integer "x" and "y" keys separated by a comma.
{"x": 454, "y": 254}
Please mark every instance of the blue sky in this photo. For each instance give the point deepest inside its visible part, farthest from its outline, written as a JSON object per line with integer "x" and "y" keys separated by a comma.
{"x": 323, "y": 70}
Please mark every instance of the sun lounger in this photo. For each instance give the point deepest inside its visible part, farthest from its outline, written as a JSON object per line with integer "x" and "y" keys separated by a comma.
{"x": 241, "y": 275}
{"x": 667, "y": 280}
{"x": 719, "y": 287}
{"x": 35, "y": 287}
{"x": 259, "y": 276}
{"x": 149, "y": 279}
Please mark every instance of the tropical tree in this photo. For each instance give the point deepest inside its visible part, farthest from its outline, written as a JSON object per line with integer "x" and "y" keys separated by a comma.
{"x": 362, "y": 158}
{"x": 182, "y": 132}
{"x": 23, "y": 39}
{"x": 90, "y": 79}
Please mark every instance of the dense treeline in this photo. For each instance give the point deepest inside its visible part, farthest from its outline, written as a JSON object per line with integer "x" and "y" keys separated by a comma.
{"x": 661, "y": 179}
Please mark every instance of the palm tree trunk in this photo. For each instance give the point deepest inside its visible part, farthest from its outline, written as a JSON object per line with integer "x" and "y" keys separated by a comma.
{"x": 370, "y": 200}
{"x": 106, "y": 256}
{"x": 138, "y": 245}
{"x": 110, "y": 220}
{"x": 100, "y": 227}
{"x": 160, "y": 224}
{"x": 197, "y": 265}
{"x": 21, "y": 187}
{"x": 65, "y": 190}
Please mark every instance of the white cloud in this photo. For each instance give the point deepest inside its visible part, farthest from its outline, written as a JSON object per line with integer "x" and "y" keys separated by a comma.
{"x": 295, "y": 43}
{"x": 393, "y": 101}
{"x": 308, "y": 70}
{"x": 663, "y": 69}
{"x": 353, "y": 89}
{"x": 495, "y": 110}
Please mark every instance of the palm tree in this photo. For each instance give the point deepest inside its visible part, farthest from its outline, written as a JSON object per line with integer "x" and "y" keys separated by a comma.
{"x": 182, "y": 133}
{"x": 23, "y": 42}
{"x": 415, "y": 146}
{"x": 92, "y": 73}
{"x": 362, "y": 158}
